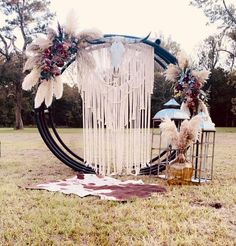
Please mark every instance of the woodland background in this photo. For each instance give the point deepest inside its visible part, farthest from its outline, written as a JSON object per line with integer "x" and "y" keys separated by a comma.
{"x": 216, "y": 53}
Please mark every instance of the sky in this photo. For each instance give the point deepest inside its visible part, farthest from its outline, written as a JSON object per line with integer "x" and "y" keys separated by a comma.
{"x": 176, "y": 18}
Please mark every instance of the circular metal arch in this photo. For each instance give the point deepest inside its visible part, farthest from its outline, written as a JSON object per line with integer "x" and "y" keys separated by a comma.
{"x": 44, "y": 118}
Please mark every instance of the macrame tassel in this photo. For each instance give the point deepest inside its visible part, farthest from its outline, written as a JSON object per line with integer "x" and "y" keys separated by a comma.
{"x": 116, "y": 108}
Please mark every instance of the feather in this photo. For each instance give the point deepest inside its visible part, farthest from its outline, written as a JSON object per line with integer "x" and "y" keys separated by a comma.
{"x": 32, "y": 62}
{"x": 172, "y": 72}
{"x": 31, "y": 79}
{"x": 71, "y": 24}
{"x": 40, "y": 95}
{"x": 49, "y": 93}
{"x": 58, "y": 87}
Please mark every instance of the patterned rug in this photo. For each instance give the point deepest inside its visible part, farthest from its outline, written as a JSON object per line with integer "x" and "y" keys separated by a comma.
{"x": 107, "y": 188}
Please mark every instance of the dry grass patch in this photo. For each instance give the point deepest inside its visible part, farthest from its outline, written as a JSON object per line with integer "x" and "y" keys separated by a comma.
{"x": 187, "y": 215}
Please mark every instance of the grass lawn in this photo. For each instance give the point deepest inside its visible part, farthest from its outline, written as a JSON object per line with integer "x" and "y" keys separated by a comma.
{"x": 184, "y": 215}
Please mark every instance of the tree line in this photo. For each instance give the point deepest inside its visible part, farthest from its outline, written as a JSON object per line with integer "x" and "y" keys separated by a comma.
{"x": 217, "y": 53}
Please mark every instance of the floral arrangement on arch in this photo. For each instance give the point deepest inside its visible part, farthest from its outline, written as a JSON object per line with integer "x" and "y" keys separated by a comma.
{"x": 48, "y": 55}
{"x": 188, "y": 83}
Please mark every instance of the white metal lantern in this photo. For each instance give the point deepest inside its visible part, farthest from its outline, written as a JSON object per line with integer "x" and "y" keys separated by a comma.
{"x": 203, "y": 151}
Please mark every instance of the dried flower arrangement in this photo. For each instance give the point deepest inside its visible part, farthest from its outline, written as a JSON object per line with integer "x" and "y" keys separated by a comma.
{"x": 188, "y": 83}
{"x": 180, "y": 170}
{"x": 48, "y": 55}
{"x": 181, "y": 140}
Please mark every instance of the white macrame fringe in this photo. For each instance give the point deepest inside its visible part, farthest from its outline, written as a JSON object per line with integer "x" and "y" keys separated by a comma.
{"x": 116, "y": 109}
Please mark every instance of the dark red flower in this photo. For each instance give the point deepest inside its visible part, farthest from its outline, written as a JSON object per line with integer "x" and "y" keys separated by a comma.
{"x": 56, "y": 71}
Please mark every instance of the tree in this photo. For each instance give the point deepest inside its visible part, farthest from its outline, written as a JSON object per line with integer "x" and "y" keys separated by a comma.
{"x": 223, "y": 14}
{"x": 67, "y": 111}
{"x": 220, "y": 97}
{"x": 208, "y": 52}
{"x": 24, "y": 20}
{"x": 163, "y": 90}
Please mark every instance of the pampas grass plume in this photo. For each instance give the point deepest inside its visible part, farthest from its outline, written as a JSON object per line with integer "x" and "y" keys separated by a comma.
{"x": 182, "y": 60}
{"x": 90, "y": 34}
{"x": 202, "y": 76}
{"x": 71, "y": 24}
{"x": 42, "y": 42}
{"x": 32, "y": 62}
{"x": 171, "y": 73}
{"x": 169, "y": 132}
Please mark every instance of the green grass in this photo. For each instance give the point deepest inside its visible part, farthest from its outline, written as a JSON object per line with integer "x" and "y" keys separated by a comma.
{"x": 185, "y": 215}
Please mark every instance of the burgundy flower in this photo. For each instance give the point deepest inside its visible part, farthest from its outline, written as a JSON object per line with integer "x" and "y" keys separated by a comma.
{"x": 59, "y": 61}
{"x": 66, "y": 45}
{"x": 46, "y": 68}
{"x": 179, "y": 87}
{"x": 56, "y": 71}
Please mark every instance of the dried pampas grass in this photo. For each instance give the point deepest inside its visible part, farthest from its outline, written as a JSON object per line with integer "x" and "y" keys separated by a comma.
{"x": 89, "y": 34}
{"x": 189, "y": 131}
{"x": 32, "y": 62}
{"x": 51, "y": 34}
{"x": 71, "y": 24}
{"x": 31, "y": 79}
{"x": 182, "y": 60}
{"x": 169, "y": 132}
{"x": 42, "y": 42}
{"x": 201, "y": 76}
{"x": 172, "y": 72}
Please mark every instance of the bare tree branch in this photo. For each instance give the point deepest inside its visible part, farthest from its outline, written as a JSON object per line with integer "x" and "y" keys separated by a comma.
{"x": 229, "y": 13}
{"x": 6, "y": 53}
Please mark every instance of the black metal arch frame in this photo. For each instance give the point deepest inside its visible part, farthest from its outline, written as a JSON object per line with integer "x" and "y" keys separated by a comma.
{"x": 53, "y": 140}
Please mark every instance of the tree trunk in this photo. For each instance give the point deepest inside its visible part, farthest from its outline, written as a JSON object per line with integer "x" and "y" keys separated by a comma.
{"x": 18, "y": 106}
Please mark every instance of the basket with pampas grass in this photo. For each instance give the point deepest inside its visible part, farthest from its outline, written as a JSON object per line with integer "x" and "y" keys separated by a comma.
{"x": 180, "y": 170}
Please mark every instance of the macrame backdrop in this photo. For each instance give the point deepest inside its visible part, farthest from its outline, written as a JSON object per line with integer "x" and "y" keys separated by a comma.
{"x": 116, "y": 107}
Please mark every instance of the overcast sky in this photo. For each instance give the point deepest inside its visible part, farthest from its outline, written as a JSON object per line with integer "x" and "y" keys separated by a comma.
{"x": 185, "y": 24}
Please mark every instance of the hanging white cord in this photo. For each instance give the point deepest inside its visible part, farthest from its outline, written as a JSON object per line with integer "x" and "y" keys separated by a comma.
{"x": 116, "y": 109}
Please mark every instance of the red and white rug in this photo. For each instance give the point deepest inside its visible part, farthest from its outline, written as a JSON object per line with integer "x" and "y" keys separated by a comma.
{"x": 105, "y": 187}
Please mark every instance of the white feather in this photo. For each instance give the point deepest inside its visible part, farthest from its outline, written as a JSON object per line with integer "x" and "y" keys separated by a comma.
{"x": 58, "y": 87}
{"x": 49, "y": 93}
{"x": 40, "y": 95}
{"x": 31, "y": 79}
